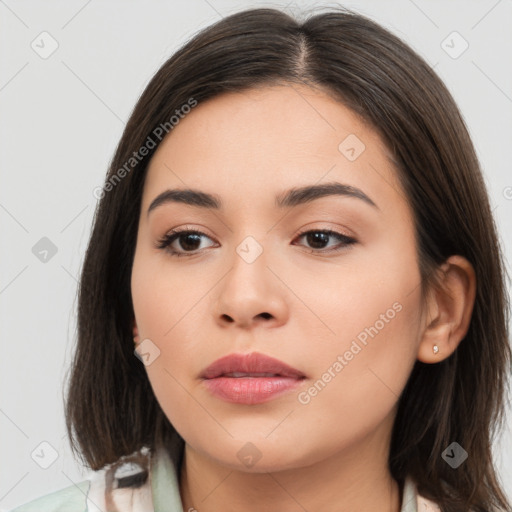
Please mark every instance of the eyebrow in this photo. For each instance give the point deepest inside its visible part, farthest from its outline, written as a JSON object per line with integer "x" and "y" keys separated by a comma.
{"x": 288, "y": 199}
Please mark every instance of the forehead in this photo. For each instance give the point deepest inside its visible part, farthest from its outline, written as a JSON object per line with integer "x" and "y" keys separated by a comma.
{"x": 262, "y": 141}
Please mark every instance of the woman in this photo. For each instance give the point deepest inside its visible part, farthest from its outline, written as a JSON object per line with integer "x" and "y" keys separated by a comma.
{"x": 295, "y": 237}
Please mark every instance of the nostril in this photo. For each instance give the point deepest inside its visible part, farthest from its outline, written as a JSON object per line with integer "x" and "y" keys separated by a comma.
{"x": 265, "y": 315}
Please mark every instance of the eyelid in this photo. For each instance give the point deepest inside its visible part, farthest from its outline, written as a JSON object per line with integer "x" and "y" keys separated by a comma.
{"x": 328, "y": 227}
{"x": 187, "y": 228}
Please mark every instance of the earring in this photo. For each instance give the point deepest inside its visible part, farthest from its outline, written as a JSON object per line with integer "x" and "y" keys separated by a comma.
{"x": 435, "y": 349}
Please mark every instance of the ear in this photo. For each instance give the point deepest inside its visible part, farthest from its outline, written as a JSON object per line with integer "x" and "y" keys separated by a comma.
{"x": 135, "y": 332}
{"x": 448, "y": 310}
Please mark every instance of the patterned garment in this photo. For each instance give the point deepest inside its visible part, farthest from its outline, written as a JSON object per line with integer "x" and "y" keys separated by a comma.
{"x": 139, "y": 483}
{"x": 125, "y": 485}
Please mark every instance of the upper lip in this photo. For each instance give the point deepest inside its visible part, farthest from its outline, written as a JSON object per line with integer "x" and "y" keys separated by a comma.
{"x": 253, "y": 363}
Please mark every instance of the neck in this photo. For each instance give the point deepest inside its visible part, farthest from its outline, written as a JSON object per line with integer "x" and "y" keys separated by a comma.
{"x": 354, "y": 479}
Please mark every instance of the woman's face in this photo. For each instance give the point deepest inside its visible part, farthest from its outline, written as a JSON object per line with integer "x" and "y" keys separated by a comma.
{"x": 342, "y": 309}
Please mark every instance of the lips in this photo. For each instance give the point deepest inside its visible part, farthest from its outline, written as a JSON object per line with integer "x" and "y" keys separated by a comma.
{"x": 254, "y": 364}
{"x": 250, "y": 378}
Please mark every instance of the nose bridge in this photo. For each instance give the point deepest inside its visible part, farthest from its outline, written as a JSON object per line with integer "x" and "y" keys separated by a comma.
{"x": 250, "y": 249}
{"x": 248, "y": 274}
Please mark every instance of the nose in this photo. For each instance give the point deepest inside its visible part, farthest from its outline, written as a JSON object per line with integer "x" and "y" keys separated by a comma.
{"x": 250, "y": 295}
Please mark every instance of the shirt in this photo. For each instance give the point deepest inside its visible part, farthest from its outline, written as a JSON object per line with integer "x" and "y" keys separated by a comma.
{"x": 141, "y": 483}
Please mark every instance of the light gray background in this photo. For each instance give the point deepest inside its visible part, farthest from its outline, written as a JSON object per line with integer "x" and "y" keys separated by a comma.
{"x": 61, "y": 118}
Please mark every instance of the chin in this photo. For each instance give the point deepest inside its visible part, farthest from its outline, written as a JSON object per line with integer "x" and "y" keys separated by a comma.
{"x": 258, "y": 455}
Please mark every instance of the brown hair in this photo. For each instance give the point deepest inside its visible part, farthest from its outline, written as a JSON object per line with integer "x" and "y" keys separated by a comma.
{"x": 111, "y": 409}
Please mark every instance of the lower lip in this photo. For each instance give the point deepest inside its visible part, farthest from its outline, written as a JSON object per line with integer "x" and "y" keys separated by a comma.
{"x": 250, "y": 390}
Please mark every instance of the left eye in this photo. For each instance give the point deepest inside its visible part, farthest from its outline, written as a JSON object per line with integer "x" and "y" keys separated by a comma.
{"x": 319, "y": 238}
{"x": 190, "y": 241}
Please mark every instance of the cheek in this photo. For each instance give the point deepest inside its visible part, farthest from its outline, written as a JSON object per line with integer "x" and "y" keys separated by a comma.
{"x": 357, "y": 381}
{"x": 169, "y": 312}
{"x": 161, "y": 297}
{"x": 371, "y": 291}
{"x": 164, "y": 311}
{"x": 371, "y": 313}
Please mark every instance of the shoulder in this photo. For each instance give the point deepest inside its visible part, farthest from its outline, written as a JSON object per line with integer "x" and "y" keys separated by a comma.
{"x": 124, "y": 486}
{"x": 69, "y": 499}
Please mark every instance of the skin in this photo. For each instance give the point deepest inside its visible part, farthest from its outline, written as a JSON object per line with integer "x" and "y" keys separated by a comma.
{"x": 331, "y": 453}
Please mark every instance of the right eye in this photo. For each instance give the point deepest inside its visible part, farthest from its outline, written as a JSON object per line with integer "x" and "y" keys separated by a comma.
{"x": 188, "y": 239}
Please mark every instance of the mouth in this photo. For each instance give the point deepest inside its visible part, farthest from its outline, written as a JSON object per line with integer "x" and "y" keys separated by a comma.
{"x": 250, "y": 378}
{"x": 238, "y": 375}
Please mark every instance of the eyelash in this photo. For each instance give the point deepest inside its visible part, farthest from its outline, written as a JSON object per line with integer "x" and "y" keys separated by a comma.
{"x": 165, "y": 242}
